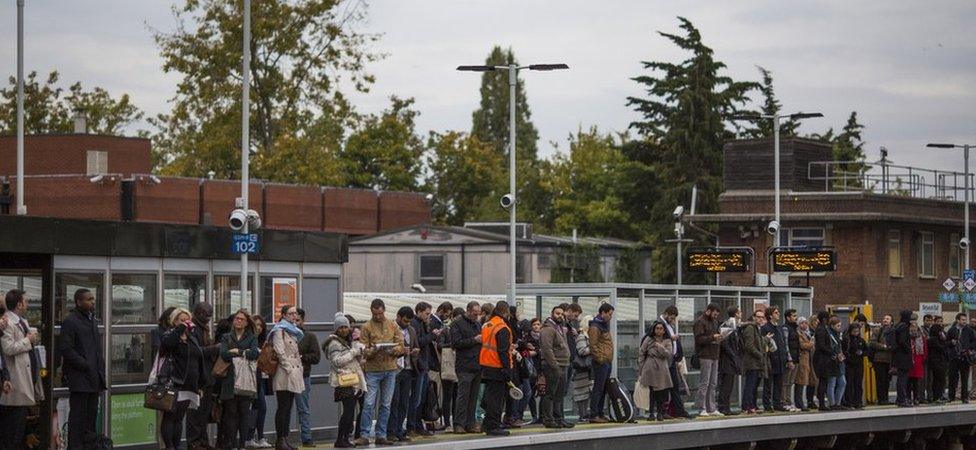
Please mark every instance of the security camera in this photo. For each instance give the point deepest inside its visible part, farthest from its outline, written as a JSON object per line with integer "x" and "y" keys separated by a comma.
{"x": 507, "y": 201}
{"x": 678, "y": 212}
{"x": 772, "y": 228}
{"x": 253, "y": 220}
{"x": 429, "y": 198}
{"x": 237, "y": 220}
{"x": 97, "y": 178}
{"x": 964, "y": 243}
{"x": 418, "y": 287}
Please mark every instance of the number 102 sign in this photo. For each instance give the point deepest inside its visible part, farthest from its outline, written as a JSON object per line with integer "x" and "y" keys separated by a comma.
{"x": 245, "y": 243}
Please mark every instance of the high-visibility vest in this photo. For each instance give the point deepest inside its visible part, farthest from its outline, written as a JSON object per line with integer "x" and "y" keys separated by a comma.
{"x": 489, "y": 343}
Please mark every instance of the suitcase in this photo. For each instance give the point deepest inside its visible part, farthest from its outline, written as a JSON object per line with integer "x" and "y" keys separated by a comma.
{"x": 621, "y": 406}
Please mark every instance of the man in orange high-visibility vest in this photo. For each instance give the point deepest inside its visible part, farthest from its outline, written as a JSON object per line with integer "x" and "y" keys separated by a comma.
{"x": 496, "y": 368}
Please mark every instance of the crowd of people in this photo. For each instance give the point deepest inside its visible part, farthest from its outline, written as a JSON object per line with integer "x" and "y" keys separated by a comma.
{"x": 459, "y": 370}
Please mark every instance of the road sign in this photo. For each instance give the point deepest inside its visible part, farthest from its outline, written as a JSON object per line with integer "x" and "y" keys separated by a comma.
{"x": 948, "y": 284}
{"x": 719, "y": 260}
{"x": 804, "y": 260}
{"x": 969, "y": 284}
{"x": 931, "y": 308}
{"x": 245, "y": 243}
{"x": 968, "y": 274}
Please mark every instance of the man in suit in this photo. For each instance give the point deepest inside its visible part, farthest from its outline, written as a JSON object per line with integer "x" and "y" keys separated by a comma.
{"x": 17, "y": 344}
{"x": 669, "y": 320}
{"x": 84, "y": 369}
{"x": 961, "y": 343}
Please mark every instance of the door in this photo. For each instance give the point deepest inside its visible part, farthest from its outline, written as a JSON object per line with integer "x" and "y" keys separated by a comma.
{"x": 31, "y": 273}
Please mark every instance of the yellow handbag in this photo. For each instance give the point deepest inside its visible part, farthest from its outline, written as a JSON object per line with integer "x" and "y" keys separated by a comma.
{"x": 348, "y": 379}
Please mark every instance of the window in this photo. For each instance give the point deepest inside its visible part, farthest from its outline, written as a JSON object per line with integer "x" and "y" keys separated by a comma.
{"x": 184, "y": 291}
{"x": 955, "y": 256}
{"x": 926, "y": 255}
{"x": 227, "y": 295}
{"x": 432, "y": 270}
{"x": 131, "y": 357}
{"x": 97, "y": 162}
{"x": 894, "y": 253}
{"x": 65, "y": 285}
{"x": 277, "y": 292}
{"x": 133, "y": 298}
{"x": 802, "y": 237}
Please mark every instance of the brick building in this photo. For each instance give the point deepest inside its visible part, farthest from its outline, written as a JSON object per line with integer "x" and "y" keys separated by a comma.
{"x": 86, "y": 176}
{"x": 895, "y": 229}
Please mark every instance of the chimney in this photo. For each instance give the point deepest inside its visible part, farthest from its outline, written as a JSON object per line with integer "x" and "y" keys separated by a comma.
{"x": 81, "y": 121}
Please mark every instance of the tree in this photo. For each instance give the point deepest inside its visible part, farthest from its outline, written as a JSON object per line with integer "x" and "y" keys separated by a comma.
{"x": 684, "y": 119}
{"x": 385, "y": 152}
{"x": 301, "y": 51}
{"x": 49, "y": 109}
{"x": 763, "y": 128}
{"x": 465, "y": 175}
{"x": 490, "y": 122}
{"x": 848, "y": 151}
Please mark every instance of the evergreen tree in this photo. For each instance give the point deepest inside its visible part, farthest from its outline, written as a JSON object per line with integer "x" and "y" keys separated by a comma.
{"x": 848, "y": 148}
{"x": 684, "y": 116}
{"x": 385, "y": 152}
{"x": 489, "y": 123}
{"x": 763, "y": 128}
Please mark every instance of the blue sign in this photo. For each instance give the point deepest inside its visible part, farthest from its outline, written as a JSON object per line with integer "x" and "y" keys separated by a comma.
{"x": 948, "y": 297}
{"x": 969, "y": 299}
{"x": 245, "y": 243}
{"x": 967, "y": 274}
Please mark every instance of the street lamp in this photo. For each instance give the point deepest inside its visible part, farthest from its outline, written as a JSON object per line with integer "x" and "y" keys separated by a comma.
{"x": 774, "y": 226}
{"x": 513, "y": 70}
{"x": 245, "y": 137}
{"x": 964, "y": 243}
{"x": 21, "y": 208}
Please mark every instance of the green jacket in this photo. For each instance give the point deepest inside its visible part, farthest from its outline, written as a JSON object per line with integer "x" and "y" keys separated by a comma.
{"x": 248, "y": 346}
{"x": 754, "y": 349}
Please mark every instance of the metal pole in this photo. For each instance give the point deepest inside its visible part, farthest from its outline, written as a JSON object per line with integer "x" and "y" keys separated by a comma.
{"x": 776, "y": 176}
{"x": 965, "y": 152}
{"x": 245, "y": 135}
{"x": 679, "y": 231}
{"x": 21, "y": 208}
{"x": 512, "y": 78}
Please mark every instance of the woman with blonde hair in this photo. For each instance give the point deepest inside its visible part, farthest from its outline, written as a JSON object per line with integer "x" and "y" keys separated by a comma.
{"x": 181, "y": 362}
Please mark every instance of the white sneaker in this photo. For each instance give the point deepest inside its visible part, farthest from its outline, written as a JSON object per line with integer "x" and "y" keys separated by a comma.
{"x": 704, "y": 414}
{"x": 251, "y": 443}
{"x": 717, "y": 414}
{"x": 263, "y": 443}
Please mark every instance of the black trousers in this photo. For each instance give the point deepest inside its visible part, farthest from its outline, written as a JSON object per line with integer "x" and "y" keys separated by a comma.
{"x": 346, "y": 420}
{"x": 233, "y": 421}
{"x": 882, "y": 381}
{"x": 854, "y": 393}
{"x": 798, "y": 391}
{"x": 677, "y": 405}
{"x": 198, "y": 419}
{"x": 469, "y": 383}
{"x": 494, "y": 402}
{"x": 726, "y": 381}
{"x": 811, "y": 396}
{"x": 81, "y": 420}
{"x": 447, "y": 402}
{"x": 12, "y": 427}
{"x": 958, "y": 372}
{"x": 286, "y": 400}
{"x": 903, "y": 394}
{"x": 772, "y": 396}
{"x": 658, "y": 398}
{"x": 171, "y": 428}
{"x": 551, "y": 407}
{"x": 938, "y": 376}
{"x": 822, "y": 402}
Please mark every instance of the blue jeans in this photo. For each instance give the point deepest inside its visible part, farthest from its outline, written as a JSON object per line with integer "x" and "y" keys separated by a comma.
{"x": 835, "y": 387}
{"x": 601, "y": 373}
{"x": 417, "y": 396}
{"x": 401, "y": 403}
{"x": 379, "y": 385}
{"x": 304, "y": 414}
{"x": 259, "y": 408}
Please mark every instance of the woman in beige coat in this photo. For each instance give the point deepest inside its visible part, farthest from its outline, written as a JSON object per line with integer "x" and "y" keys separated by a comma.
{"x": 655, "y": 353}
{"x": 804, "y": 368}
{"x": 345, "y": 358}
{"x": 288, "y": 379}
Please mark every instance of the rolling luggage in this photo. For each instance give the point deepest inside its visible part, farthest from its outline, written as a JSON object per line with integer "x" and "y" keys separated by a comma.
{"x": 621, "y": 406}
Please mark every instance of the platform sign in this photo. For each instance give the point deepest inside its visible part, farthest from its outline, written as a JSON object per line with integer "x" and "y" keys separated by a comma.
{"x": 804, "y": 260}
{"x": 969, "y": 284}
{"x": 948, "y": 297}
{"x": 969, "y": 274}
{"x": 719, "y": 260}
{"x": 948, "y": 284}
{"x": 245, "y": 243}
{"x": 930, "y": 308}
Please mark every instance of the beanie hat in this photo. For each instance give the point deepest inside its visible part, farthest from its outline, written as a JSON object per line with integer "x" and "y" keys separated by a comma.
{"x": 341, "y": 320}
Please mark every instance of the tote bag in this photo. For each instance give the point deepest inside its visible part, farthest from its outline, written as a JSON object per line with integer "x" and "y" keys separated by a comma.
{"x": 245, "y": 377}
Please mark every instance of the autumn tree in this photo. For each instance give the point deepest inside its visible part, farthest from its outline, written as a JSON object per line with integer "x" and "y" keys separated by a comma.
{"x": 465, "y": 176}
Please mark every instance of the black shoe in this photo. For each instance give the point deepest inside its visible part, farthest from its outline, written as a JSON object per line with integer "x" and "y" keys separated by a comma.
{"x": 498, "y": 432}
{"x": 781, "y": 409}
{"x": 729, "y": 412}
{"x": 343, "y": 444}
{"x": 551, "y": 424}
{"x": 565, "y": 424}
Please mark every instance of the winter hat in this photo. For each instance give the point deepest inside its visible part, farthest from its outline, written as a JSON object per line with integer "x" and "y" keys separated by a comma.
{"x": 341, "y": 320}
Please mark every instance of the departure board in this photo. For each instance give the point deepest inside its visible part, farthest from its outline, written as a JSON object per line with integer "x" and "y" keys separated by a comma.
{"x": 719, "y": 260}
{"x": 815, "y": 260}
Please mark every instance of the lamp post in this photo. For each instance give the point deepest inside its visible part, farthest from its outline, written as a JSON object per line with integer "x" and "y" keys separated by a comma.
{"x": 965, "y": 243}
{"x": 513, "y": 70}
{"x": 245, "y": 136}
{"x": 774, "y": 226}
{"x": 21, "y": 208}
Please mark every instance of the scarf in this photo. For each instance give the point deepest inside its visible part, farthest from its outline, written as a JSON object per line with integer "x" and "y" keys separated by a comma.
{"x": 290, "y": 328}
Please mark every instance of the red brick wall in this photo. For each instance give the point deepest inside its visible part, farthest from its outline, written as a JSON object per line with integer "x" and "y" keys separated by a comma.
{"x": 71, "y": 197}
{"x": 174, "y": 200}
{"x": 292, "y": 207}
{"x": 350, "y": 211}
{"x": 63, "y": 154}
{"x": 219, "y": 195}
{"x": 402, "y": 209}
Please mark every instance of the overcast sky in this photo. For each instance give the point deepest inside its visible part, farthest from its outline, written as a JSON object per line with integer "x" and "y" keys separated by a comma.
{"x": 907, "y": 67}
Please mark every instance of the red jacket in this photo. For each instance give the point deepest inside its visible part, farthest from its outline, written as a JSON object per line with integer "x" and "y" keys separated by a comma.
{"x": 918, "y": 360}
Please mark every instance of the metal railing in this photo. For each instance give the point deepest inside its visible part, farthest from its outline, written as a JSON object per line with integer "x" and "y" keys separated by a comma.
{"x": 889, "y": 179}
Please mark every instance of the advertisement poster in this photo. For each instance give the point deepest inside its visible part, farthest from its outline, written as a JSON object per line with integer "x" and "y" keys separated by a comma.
{"x": 132, "y": 423}
{"x": 285, "y": 293}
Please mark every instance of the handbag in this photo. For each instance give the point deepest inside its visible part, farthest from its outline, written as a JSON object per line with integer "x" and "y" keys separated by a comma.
{"x": 220, "y": 368}
{"x": 160, "y": 394}
{"x": 349, "y": 379}
{"x": 245, "y": 377}
{"x": 268, "y": 359}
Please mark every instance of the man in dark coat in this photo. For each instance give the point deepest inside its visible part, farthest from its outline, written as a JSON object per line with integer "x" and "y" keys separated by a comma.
{"x": 901, "y": 358}
{"x": 466, "y": 342}
{"x": 823, "y": 359}
{"x": 197, "y": 419}
{"x": 84, "y": 369}
{"x": 961, "y": 343}
{"x": 729, "y": 360}
{"x": 773, "y": 384}
{"x": 426, "y": 361}
{"x": 937, "y": 362}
